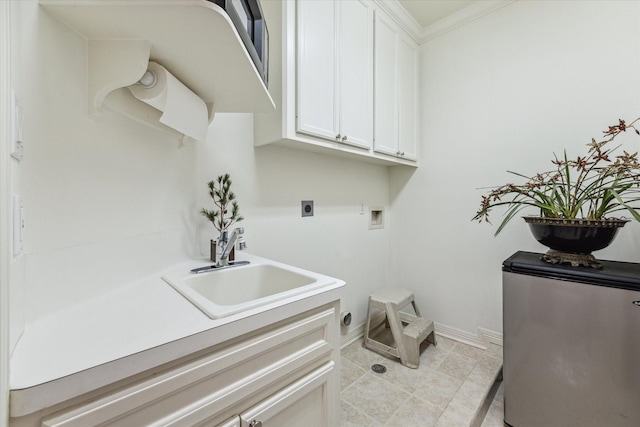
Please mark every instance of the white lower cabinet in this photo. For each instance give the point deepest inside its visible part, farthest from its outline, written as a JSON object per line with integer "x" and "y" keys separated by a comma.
{"x": 304, "y": 403}
{"x": 285, "y": 374}
{"x": 233, "y": 422}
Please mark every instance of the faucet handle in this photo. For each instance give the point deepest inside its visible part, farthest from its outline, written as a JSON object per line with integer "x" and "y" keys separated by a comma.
{"x": 242, "y": 244}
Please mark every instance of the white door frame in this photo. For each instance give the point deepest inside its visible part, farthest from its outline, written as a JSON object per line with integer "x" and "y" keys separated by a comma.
{"x": 5, "y": 199}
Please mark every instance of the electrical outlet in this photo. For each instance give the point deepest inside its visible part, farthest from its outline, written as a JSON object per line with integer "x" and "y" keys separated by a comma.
{"x": 307, "y": 208}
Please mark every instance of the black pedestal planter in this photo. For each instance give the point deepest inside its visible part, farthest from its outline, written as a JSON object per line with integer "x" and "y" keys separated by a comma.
{"x": 572, "y": 241}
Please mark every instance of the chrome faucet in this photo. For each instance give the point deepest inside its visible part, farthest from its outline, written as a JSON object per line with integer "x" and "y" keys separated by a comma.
{"x": 226, "y": 243}
{"x": 227, "y": 246}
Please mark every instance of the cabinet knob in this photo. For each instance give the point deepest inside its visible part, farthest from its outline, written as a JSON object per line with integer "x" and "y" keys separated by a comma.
{"x": 338, "y": 136}
{"x": 255, "y": 423}
{"x": 344, "y": 138}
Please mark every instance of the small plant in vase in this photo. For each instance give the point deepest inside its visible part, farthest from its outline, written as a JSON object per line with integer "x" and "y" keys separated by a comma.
{"x": 226, "y": 214}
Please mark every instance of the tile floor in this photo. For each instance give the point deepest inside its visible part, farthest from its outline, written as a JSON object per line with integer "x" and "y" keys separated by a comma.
{"x": 495, "y": 414}
{"x": 448, "y": 389}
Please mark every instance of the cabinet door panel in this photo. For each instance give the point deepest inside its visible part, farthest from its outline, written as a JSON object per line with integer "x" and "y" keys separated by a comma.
{"x": 306, "y": 402}
{"x": 316, "y": 69}
{"x": 386, "y": 88}
{"x": 233, "y": 422}
{"x": 356, "y": 72}
{"x": 408, "y": 98}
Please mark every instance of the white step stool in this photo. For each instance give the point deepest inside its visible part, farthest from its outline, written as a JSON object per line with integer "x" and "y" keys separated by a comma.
{"x": 407, "y": 331}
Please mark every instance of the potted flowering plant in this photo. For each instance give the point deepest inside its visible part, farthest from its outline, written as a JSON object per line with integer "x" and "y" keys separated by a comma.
{"x": 576, "y": 199}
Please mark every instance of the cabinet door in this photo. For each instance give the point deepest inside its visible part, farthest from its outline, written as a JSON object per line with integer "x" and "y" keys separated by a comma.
{"x": 317, "y": 109}
{"x": 307, "y": 402}
{"x": 385, "y": 131}
{"x": 355, "y": 22}
{"x": 233, "y": 422}
{"x": 407, "y": 99}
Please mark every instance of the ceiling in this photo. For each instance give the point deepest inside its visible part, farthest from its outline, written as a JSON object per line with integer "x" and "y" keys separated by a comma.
{"x": 426, "y": 12}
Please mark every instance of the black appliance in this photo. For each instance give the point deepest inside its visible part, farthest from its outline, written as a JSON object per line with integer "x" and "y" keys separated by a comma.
{"x": 249, "y": 21}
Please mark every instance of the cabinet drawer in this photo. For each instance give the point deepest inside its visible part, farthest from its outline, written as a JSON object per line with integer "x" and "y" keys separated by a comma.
{"x": 306, "y": 403}
{"x": 211, "y": 386}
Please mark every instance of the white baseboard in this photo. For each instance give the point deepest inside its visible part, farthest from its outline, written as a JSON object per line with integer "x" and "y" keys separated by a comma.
{"x": 354, "y": 334}
{"x": 490, "y": 337}
{"x": 480, "y": 340}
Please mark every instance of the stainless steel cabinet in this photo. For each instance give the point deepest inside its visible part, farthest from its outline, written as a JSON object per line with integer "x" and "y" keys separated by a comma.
{"x": 571, "y": 344}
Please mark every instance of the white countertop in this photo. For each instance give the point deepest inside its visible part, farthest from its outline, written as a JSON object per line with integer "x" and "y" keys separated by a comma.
{"x": 127, "y": 331}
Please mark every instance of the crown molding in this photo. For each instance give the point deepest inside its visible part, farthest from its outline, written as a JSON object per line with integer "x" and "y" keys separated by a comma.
{"x": 423, "y": 34}
{"x": 462, "y": 17}
{"x": 401, "y": 17}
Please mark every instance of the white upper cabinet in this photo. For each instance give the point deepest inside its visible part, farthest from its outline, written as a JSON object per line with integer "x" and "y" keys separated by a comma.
{"x": 316, "y": 101}
{"x": 334, "y": 76}
{"x": 407, "y": 99}
{"x": 386, "y": 87}
{"x": 355, "y": 20}
{"x": 395, "y": 88}
{"x": 334, "y": 71}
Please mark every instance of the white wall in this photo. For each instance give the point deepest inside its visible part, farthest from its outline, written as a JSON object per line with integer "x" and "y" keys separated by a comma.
{"x": 270, "y": 182}
{"x": 505, "y": 92}
{"x": 108, "y": 201}
{"x": 91, "y": 188}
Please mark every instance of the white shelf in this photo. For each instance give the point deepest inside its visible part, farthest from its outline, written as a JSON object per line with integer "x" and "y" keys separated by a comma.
{"x": 194, "y": 39}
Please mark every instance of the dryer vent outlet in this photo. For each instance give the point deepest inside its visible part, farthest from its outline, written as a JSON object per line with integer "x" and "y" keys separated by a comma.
{"x": 307, "y": 208}
{"x": 376, "y": 217}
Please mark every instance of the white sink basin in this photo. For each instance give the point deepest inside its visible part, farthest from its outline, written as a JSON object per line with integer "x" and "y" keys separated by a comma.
{"x": 221, "y": 293}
